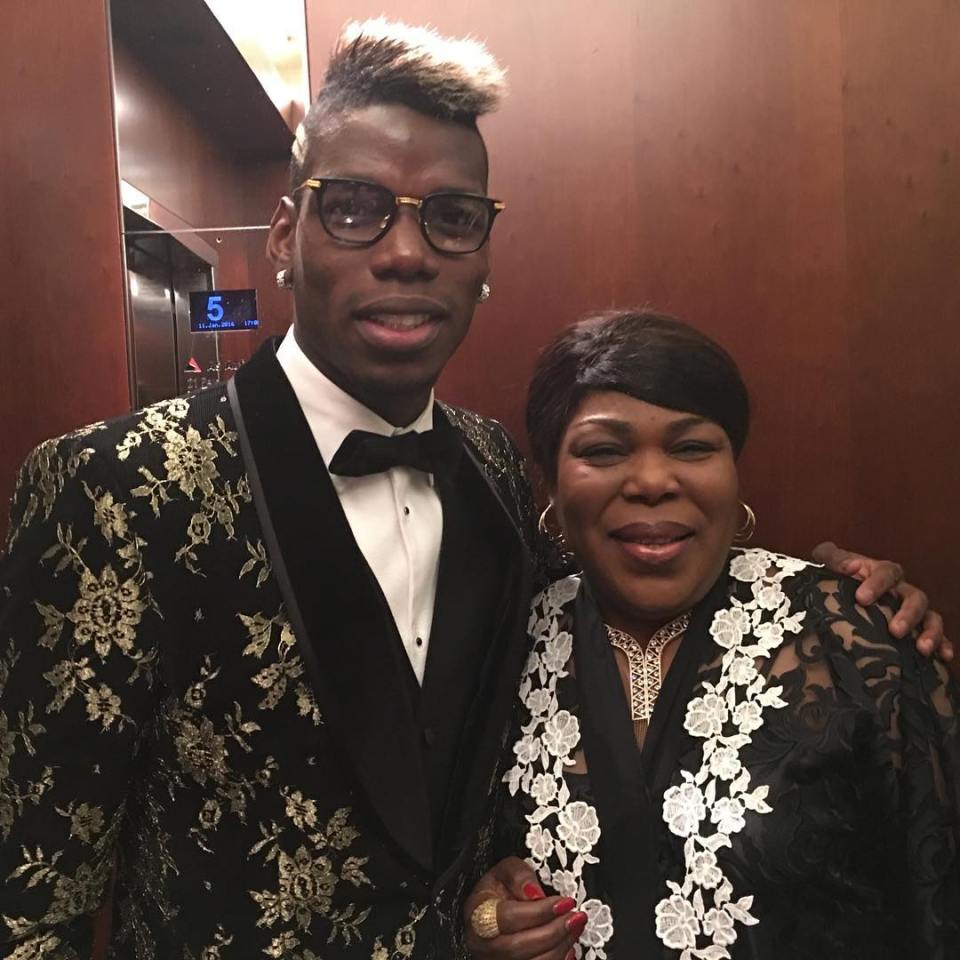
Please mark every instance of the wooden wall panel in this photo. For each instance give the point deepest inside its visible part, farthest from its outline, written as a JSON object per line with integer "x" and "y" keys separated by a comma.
{"x": 63, "y": 359}
{"x": 732, "y": 162}
{"x": 902, "y": 177}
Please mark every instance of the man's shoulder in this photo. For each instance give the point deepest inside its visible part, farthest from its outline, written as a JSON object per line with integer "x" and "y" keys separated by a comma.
{"x": 474, "y": 425}
{"x": 116, "y": 437}
{"x": 101, "y": 453}
{"x": 488, "y": 438}
{"x": 497, "y": 454}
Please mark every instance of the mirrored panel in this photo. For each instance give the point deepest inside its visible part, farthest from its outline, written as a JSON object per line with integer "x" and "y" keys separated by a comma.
{"x": 207, "y": 96}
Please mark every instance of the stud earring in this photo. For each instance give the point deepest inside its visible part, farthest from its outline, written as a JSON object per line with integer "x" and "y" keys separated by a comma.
{"x": 484, "y": 295}
{"x": 285, "y": 279}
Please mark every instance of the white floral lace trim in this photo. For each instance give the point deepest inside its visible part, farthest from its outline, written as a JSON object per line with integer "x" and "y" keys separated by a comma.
{"x": 562, "y": 834}
{"x": 699, "y": 916}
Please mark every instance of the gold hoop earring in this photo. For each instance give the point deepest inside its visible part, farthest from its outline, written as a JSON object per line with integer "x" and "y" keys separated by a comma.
{"x": 555, "y": 537}
{"x": 749, "y": 525}
{"x": 485, "y": 290}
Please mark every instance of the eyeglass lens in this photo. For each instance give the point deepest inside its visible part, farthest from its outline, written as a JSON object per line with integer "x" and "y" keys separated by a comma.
{"x": 359, "y": 212}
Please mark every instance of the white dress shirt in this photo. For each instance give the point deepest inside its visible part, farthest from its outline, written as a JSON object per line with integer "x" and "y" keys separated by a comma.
{"x": 396, "y": 517}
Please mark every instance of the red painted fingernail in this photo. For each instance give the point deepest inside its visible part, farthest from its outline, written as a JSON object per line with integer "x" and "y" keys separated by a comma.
{"x": 532, "y": 891}
{"x": 576, "y": 924}
{"x": 565, "y": 905}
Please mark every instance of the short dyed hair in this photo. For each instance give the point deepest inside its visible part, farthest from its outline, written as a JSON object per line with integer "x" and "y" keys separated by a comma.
{"x": 381, "y": 61}
{"x": 651, "y": 356}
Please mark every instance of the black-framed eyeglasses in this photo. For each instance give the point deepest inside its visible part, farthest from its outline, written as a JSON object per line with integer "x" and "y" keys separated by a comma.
{"x": 359, "y": 212}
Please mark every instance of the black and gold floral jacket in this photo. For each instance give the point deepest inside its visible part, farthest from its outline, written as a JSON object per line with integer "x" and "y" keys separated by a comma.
{"x": 189, "y": 697}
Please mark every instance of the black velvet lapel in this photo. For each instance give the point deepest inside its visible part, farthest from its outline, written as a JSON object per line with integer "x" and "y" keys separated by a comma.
{"x": 339, "y": 615}
{"x": 506, "y": 651}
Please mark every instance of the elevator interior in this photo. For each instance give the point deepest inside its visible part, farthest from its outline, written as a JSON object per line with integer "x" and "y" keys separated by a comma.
{"x": 168, "y": 360}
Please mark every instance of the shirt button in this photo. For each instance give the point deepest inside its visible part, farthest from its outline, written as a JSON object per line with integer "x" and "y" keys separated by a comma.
{"x": 406, "y": 511}
{"x": 429, "y": 737}
{"x": 419, "y": 641}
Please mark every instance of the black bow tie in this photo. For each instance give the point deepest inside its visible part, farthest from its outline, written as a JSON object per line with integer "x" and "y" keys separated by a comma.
{"x": 363, "y": 453}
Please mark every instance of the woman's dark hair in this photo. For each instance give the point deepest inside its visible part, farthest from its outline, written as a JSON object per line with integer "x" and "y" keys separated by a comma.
{"x": 646, "y": 355}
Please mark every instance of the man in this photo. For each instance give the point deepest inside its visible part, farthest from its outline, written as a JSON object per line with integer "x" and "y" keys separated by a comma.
{"x": 258, "y": 647}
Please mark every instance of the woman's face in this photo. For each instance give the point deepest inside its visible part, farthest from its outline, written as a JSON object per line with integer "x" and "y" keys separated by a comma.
{"x": 647, "y": 499}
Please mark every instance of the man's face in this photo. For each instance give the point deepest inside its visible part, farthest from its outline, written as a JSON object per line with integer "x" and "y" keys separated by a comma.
{"x": 382, "y": 320}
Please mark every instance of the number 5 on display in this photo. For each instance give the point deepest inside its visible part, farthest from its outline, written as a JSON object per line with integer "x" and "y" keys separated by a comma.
{"x": 214, "y": 309}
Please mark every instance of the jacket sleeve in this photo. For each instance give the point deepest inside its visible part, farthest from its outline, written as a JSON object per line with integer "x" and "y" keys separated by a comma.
{"x": 78, "y": 632}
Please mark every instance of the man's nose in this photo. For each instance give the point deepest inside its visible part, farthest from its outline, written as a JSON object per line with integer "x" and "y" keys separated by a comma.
{"x": 404, "y": 252}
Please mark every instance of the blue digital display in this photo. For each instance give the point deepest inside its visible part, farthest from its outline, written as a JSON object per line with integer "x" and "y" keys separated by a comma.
{"x": 214, "y": 311}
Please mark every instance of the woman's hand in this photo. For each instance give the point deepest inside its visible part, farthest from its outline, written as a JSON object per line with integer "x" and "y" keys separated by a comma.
{"x": 880, "y": 576}
{"x": 532, "y": 925}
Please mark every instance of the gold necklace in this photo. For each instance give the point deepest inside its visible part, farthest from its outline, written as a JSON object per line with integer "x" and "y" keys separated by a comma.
{"x": 646, "y": 674}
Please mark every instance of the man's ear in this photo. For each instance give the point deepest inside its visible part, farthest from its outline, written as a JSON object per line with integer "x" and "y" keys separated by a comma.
{"x": 281, "y": 240}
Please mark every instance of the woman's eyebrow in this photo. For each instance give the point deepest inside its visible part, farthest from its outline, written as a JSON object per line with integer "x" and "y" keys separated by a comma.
{"x": 676, "y": 427}
{"x": 624, "y": 428}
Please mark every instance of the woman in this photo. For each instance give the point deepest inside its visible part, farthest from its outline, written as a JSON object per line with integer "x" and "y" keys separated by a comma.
{"x": 791, "y": 788}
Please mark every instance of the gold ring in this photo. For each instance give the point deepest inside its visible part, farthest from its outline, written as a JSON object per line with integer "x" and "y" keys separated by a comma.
{"x": 484, "y": 919}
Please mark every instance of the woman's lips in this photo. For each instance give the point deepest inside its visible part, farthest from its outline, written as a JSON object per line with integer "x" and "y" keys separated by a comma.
{"x": 653, "y": 543}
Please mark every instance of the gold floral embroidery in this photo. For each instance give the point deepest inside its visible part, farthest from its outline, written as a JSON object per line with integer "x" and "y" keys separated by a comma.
{"x": 64, "y": 678}
{"x": 258, "y": 557}
{"x": 275, "y": 677}
{"x": 210, "y": 814}
{"x": 191, "y": 461}
{"x": 110, "y": 516}
{"x": 86, "y": 820}
{"x": 404, "y": 940}
{"x": 40, "y": 947}
{"x": 107, "y": 611}
{"x": 307, "y": 704}
{"x": 221, "y": 939}
{"x": 104, "y": 705}
{"x": 284, "y": 947}
{"x": 190, "y": 468}
{"x": 308, "y": 879}
{"x": 201, "y": 751}
{"x": 203, "y": 754}
{"x": 44, "y": 475}
{"x": 301, "y": 810}
{"x": 154, "y": 424}
{"x": 13, "y": 795}
{"x": 73, "y": 894}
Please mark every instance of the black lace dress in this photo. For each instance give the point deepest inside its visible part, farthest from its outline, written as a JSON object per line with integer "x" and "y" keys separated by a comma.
{"x": 858, "y": 856}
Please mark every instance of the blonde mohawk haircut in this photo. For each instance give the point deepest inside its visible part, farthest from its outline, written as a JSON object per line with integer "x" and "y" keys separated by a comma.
{"x": 384, "y": 61}
{"x": 453, "y": 78}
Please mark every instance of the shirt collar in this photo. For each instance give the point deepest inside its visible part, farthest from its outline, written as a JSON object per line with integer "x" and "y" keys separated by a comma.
{"x": 330, "y": 411}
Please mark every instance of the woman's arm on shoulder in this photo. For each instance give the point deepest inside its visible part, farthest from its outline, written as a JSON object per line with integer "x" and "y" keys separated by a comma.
{"x": 879, "y": 577}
